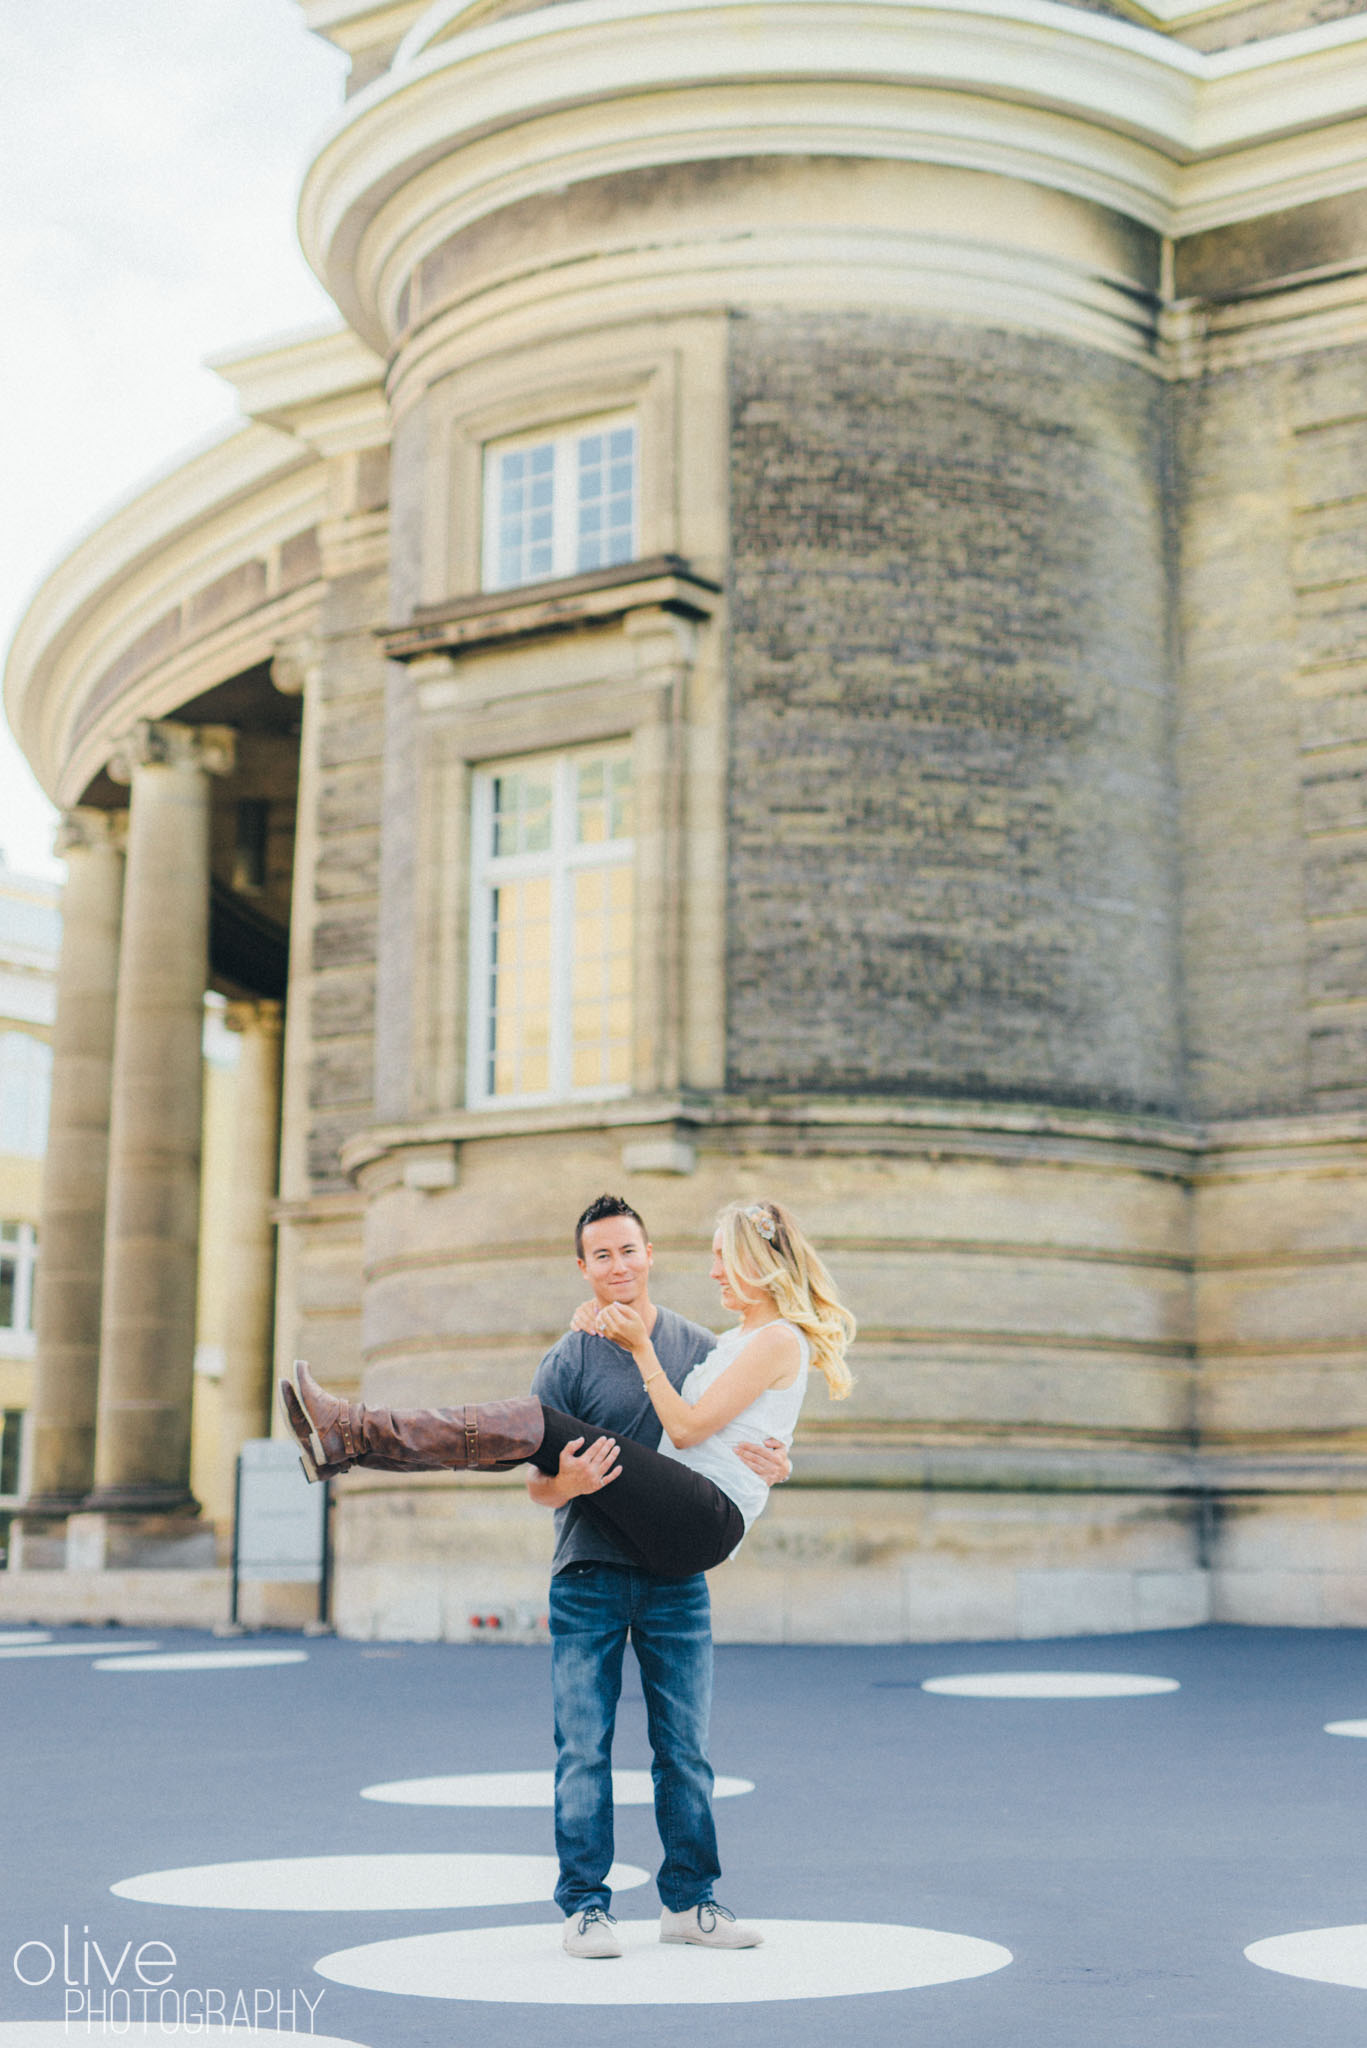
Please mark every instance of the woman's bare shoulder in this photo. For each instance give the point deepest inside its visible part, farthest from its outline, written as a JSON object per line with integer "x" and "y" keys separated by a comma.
{"x": 780, "y": 1345}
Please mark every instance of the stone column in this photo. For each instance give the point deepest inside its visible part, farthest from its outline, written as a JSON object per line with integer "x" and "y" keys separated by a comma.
{"x": 245, "y": 1389}
{"x": 71, "y": 1230}
{"x": 142, "y": 1448}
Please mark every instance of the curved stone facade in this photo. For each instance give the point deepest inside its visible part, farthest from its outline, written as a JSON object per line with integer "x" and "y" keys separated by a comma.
{"x": 948, "y": 650}
{"x": 986, "y": 662}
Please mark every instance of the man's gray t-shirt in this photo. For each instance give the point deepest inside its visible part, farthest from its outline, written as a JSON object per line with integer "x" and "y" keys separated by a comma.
{"x": 599, "y": 1383}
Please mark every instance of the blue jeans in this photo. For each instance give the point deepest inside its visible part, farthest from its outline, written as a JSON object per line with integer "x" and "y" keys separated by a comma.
{"x": 593, "y": 1608}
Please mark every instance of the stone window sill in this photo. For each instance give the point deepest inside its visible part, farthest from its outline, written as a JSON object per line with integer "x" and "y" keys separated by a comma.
{"x": 659, "y": 582}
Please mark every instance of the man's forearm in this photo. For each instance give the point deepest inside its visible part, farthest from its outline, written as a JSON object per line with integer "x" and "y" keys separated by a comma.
{"x": 548, "y": 1491}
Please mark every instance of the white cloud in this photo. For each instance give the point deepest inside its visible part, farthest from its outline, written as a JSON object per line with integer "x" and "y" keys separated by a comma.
{"x": 150, "y": 158}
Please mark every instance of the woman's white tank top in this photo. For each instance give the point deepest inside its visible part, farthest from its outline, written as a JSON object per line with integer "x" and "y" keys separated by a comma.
{"x": 772, "y": 1413}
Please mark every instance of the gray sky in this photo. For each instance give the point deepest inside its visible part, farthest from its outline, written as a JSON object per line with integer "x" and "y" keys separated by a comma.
{"x": 150, "y": 158}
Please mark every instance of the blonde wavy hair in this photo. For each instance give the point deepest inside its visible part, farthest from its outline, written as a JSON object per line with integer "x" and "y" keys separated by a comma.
{"x": 764, "y": 1246}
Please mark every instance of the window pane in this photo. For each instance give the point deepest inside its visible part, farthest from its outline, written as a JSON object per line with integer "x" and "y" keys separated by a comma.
{"x": 553, "y": 871}
{"x": 604, "y": 800}
{"x": 524, "y": 499}
{"x": 522, "y": 813}
{"x": 9, "y": 1273}
{"x": 519, "y": 988}
{"x": 600, "y": 1013}
{"x": 25, "y": 1087}
{"x": 607, "y": 498}
{"x": 11, "y": 1426}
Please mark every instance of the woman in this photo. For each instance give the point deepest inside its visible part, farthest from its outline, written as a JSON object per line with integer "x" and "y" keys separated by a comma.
{"x": 685, "y": 1507}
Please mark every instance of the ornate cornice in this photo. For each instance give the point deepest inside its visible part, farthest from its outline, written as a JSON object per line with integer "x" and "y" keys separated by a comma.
{"x": 1056, "y": 95}
{"x": 149, "y": 593}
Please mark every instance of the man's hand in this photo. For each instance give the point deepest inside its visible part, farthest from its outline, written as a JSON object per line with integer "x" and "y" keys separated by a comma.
{"x": 585, "y": 1319}
{"x": 587, "y": 1471}
{"x": 768, "y": 1460}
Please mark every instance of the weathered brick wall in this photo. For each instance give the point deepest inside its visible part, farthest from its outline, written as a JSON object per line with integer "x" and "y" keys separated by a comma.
{"x": 952, "y": 806}
{"x": 1274, "y": 733}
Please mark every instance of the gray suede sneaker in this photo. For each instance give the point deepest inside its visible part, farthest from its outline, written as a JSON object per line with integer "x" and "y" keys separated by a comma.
{"x": 708, "y": 1925}
{"x": 590, "y": 1934}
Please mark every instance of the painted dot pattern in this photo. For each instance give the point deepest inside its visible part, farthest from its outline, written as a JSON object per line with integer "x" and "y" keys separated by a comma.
{"x": 523, "y": 1789}
{"x": 799, "y": 1959}
{"x": 359, "y": 1884}
{"x": 203, "y": 1660}
{"x": 1048, "y": 1685}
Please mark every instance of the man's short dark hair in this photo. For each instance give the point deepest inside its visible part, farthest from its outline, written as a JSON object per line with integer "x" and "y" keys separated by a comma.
{"x": 602, "y": 1211}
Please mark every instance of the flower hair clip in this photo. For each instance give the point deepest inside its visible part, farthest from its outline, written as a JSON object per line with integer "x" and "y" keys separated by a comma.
{"x": 765, "y": 1224}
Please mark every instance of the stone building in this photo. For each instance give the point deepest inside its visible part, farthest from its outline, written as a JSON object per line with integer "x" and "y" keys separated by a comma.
{"x": 808, "y": 633}
{"x": 30, "y": 935}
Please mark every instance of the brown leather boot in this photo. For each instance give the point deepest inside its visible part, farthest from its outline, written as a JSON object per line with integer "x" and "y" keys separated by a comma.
{"x": 333, "y": 1435}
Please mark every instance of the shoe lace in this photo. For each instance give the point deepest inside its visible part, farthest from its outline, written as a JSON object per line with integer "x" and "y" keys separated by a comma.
{"x": 592, "y": 1913}
{"x": 710, "y": 1906}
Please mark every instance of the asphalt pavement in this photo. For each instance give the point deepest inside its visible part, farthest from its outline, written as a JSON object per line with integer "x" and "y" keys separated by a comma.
{"x": 1124, "y": 1851}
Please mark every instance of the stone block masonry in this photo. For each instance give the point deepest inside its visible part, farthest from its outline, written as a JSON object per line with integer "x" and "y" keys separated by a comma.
{"x": 952, "y": 849}
{"x": 346, "y": 873}
{"x": 1274, "y": 734}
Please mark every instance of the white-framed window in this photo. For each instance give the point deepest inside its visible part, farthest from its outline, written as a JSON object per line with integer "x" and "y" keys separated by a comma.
{"x": 11, "y": 1452}
{"x": 557, "y": 504}
{"x": 551, "y": 927}
{"x": 25, "y": 1092}
{"x": 18, "y": 1263}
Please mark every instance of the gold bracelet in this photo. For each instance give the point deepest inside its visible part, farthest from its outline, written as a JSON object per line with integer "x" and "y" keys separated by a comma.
{"x": 657, "y": 1374}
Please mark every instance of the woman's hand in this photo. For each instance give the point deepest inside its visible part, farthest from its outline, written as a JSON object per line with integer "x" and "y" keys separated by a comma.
{"x": 621, "y": 1325}
{"x": 769, "y": 1460}
{"x": 585, "y": 1319}
{"x": 587, "y": 1471}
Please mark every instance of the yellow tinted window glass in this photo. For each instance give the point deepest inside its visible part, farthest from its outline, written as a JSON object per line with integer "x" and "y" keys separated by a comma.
{"x": 604, "y": 799}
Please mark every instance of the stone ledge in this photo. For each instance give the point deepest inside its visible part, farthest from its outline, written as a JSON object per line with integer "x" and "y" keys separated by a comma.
{"x": 140, "y": 1599}
{"x": 920, "y": 1124}
{"x": 596, "y": 598}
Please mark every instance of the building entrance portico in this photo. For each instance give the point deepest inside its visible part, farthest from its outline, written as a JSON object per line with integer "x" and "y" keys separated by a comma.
{"x": 185, "y": 890}
{"x": 142, "y": 1439}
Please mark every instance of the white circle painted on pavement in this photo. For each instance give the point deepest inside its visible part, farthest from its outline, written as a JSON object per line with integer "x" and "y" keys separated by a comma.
{"x": 72, "y": 1649}
{"x": 1327, "y": 1955}
{"x": 25, "y": 1635}
{"x": 523, "y": 1788}
{"x": 1049, "y": 1685}
{"x": 58, "y": 2034}
{"x": 360, "y": 1884}
{"x": 799, "y": 1959}
{"x": 203, "y": 1660}
{"x": 1345, "y": 1727}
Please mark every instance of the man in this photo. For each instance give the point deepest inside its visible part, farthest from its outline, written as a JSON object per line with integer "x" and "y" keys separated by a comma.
{"x": 599, "y": 1595}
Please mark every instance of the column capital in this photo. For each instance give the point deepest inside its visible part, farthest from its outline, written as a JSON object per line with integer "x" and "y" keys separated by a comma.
{"x": 297, "y": 665}
{"x": 165, "y": 743}
{"x": 255, "y": 1014}
{"x": 84, "y": 828}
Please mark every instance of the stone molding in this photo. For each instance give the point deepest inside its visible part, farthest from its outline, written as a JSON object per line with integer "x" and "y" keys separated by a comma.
{"x": 165, "y": 743}
{"x": 297, "y": 665}
{"x": 84, "y": 828}
{"x": 938, "y": 1129}
{"x": 99, "y": 602}
{"x": 1110, "y": 104}
{"x": 662, "y": 583}
{"x": 440, "y": 21}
